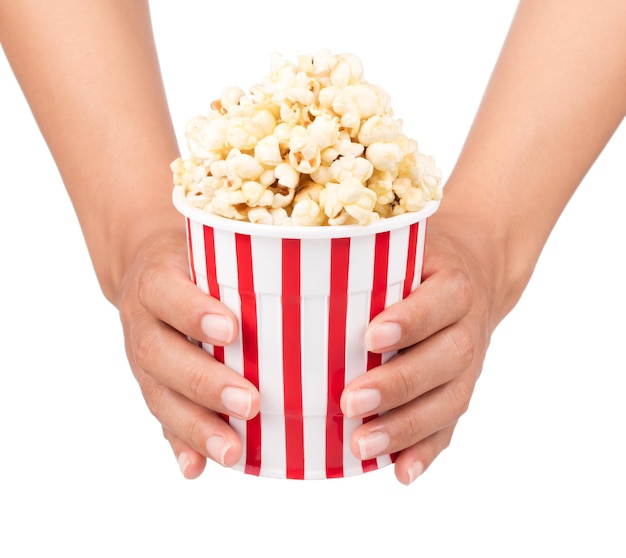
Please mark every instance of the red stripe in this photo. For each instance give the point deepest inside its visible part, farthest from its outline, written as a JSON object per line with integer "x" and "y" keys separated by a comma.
{"x": 249, "y": 342}
{"x": 379, "y": 287}
{"x": 292, "y": 364}
{"x": 410, "y": 260}
{"x": 377, "y": 305}
{"x": 211, "y": 274}
{"x": 337, "y": 311}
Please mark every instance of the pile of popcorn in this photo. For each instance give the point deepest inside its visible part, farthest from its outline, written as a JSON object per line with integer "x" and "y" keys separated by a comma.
{"x": 312, "y": 144}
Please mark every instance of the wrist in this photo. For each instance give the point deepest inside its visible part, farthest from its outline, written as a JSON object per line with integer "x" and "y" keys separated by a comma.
{"x": 490, "y": 248}
{"x": 152, "y": 231}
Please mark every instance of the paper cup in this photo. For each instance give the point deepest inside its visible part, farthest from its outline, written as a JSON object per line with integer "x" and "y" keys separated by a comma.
{"x": 303, "y": 297}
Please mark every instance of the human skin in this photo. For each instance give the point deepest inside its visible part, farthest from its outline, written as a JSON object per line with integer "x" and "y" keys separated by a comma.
{"x": 557, "y": 94}
{"x": 555, "y": 97}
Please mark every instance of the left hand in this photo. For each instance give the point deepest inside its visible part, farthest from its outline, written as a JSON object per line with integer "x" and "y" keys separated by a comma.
{"x": 441, "y": 331}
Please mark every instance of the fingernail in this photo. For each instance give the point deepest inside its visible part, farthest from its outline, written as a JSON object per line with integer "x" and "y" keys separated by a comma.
{"x": 415, "y": 470}
{"x": 183, "y": 462}
{"x": 218, "y": 328}
{"x": 237, "y": 401}
{"x": 382, "y": 336}
{"x": 217, "y": 447}
{"x": 373, "y": 444}
{"x": 362, "y": 401}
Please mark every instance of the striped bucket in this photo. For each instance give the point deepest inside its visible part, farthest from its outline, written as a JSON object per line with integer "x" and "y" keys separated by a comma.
{"x": 303, "y": 297}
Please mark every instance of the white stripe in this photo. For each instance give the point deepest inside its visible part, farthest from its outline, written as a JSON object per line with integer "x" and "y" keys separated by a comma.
{"x": 419, "y": 260}
{"x": 315, "y": 290}
{"x": 383, "y": 461}
{"x": 198, "y": 249}
{"x": 396, "y": 271}
{"x": 197, "y": 246}
{"x": 226, "y": 258}
{"x": 266, "y": 261}
{"x": 239, "y": 426}
{"x": 398, "y": 248}
{"x": 360, "y": 279}
{"x": 314, "y": 447}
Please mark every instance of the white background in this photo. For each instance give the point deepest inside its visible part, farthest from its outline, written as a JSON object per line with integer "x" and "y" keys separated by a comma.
{"x": 536, "y": 467}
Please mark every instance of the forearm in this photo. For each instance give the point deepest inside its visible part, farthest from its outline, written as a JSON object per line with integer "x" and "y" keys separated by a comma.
{"x": 90, "y": 73}
{"x": 557, "y": 94}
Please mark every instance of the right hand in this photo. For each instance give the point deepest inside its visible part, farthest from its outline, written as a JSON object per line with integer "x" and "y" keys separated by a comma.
{"x": 184, "y": 386}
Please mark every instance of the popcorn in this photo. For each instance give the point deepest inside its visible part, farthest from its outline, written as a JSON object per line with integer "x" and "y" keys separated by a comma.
{"x": 242, "y": 166}
{"x": 267, "y": 151}
{"x": 324, "y": 130}
{"x": 379, "y": 128}
{"x": 312, "y": 144}
{"x": 384, "y": 156}
{"x": 304, "y": 154}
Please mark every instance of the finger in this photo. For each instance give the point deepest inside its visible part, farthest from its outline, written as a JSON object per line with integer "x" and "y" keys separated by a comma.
{"x": 190, "y": 462}
{"x": 171, "y": 360}
{"x": 442, "y": 299}
{"x": 413, "y": 372}
{"x": 198, "y": 428}
{"x": 407, "y": 425}
{"x": 168, "y": 293}
{"x": 412, "y": 462}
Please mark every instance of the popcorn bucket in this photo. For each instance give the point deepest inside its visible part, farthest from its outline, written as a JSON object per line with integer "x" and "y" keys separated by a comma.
{"x": 303, "y": 297}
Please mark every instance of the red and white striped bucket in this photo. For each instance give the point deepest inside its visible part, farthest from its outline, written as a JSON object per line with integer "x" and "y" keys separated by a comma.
{"x": 303, "y": 297}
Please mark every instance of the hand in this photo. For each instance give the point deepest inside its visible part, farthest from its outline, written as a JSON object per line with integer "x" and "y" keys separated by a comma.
{"x": 184, "y": 387}
{"x": 441, "y": 332}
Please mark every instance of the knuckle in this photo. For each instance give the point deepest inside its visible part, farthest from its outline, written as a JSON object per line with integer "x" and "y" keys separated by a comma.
{"x": 446, "y": 437}
{"x": 146, "y": 282}
{"x": 405, "y": 386}
{"x": 126, "y": 309}
{"x": 463, "y": 288}
{"x": 195, "y": 427}
{"x": 463, "y": 345}
{"x": 145, "y": 343}
{"x": 435, "y": 444}
{"x": 413, "y": 423}
{"x": 198, "y": 384}
{"x": 460, "y": 394}
{"x": 430, "y": 447}
{"x": 154, "y": 396}
{"x": 129, "y": 308}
